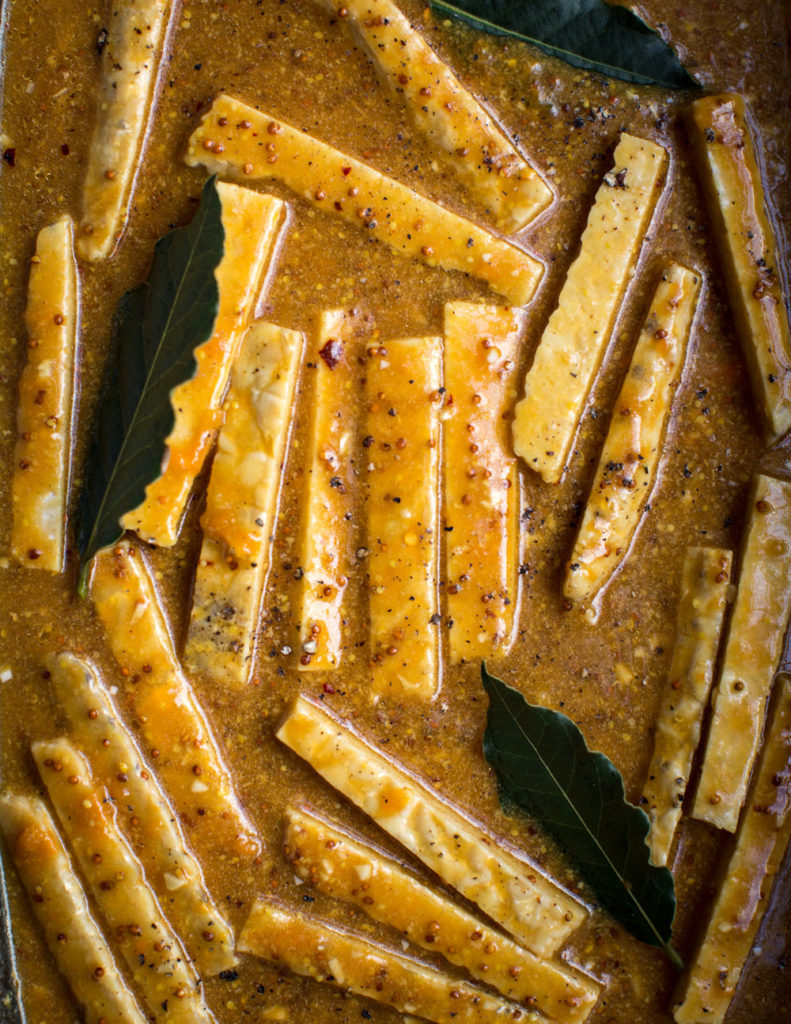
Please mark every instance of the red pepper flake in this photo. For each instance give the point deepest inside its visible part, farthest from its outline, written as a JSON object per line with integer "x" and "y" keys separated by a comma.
{"x": 331, "y": 352}
{"x": 346, "y": 171}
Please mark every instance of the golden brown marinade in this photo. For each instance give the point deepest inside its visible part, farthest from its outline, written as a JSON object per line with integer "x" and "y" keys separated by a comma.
{"x": 298, "y": 62}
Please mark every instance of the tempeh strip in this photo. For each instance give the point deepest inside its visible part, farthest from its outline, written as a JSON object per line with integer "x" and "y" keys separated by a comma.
{"x": 481, "y": 501}
{"x": 512, "y": 891}
{"x": 448, "y": 114}
{"x": 137, "y": 35}
{"x": 348, "y": 867}
{"x": 253, "y": 224}
{"x": 144, "y": 812}
{"x": 575, "y": 339}
{"x": 252, "y": 145}
{"x": 747, "y": 883}
{"x": 42, "y": 454}
{"x": 324, "y": 951}
{"x": 153, "y": 953}
{"x": 241, "y": 505}
{"x": 724, "y": 150}
{"x": 173, "y": 726}
{"x": 326, "y": 532}
{"x": 629, "y": 460}
{"x": 705, "y": 581}
{"x": 752, "y": 654}
{"x": 401, "y": 446}
{"x": 62, "y": 910}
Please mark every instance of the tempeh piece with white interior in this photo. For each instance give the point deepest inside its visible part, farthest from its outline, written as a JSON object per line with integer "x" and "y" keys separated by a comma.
{"x": 629, "y": 460}
{"x": 153, "y": 953}
{"x": 756, "y": 632}
{"x": 572, "y": 347}
{"x": 143, "y": 811}
{"x": 481, "y": 485}
{"x": 348, "y": 867}
{"x": 62, "y": 911}
{"x": 512, "y": 891}
{"x": 173, "y": 726}
{"x": 325, "y": 951}
{"x": 705, "y": 582}
{"x": 253, "y": 224}
{"x": 326, "y": 531}
{"x": 238, "y": 140}
{"x": 401, "y": 449}
{"x": 132, "y": 55}
{"x": 42, "y": 454}
{"x": 448, "y": 114}
{"x": 722, "y": 142}
{"x": 241, "y": 505}
{"x": 747, "y": 881}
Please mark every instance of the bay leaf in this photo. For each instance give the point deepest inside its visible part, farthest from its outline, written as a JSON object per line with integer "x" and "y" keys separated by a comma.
{"x": 544, "y": 768}
{"x": 590, "y": 34}
{"x": 156, "y": 329}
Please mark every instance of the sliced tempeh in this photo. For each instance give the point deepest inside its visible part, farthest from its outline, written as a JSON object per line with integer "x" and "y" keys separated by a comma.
{"x": 705, "y": 582}
{"x": 238, "y": 140}
{"x": 325, "y": 951}
{"x": 752, "y": 653}
{"x": 42, "y": 454}
{"x": 746, "y": 886}
{"x": 402, "y": 401}
{"x": 573, "y": 344}
{"x": 480, "y": 477}
{"x": 725, "y": 154}
{"x": 62, "y": 910}
{"x": 153, "y": 953}
{"x": 137, "y": 35}
{"x": 348, "y": 867}
{"x": 253, "y": 224}
{"x": 241, "y": 505}
{"x": 326, "y": 533}
{"x": 173, "y": 726}
{"x": 144, "y": 812}
{"x": 629, "y": 460}
{"x": 512, "y": 891}
{"x": 448, "y": 114}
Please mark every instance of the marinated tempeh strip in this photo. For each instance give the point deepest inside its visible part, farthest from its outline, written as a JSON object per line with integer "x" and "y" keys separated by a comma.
{"x": 153, "y": 953}
{"x": 573, "y": 344}
{"x": 348, "y": 867}
{"x": 705, "y": 581}
{"x": 144, "y": 812}
{"x": 326, "y": 532}
{"x": 448, "y": 114}
{"x": 752, "y": 654}
{"x": 253, "y": 224}
{"x": 241, "y": 505}
{"x": 62, "y": 910}
{"x": 252, "y": 145}
{"x": 137, "y": 35}
{"x": 746, "y": 886}
{"x": 173, "y": 727}
{"x": 726, "y": 158}
{"x": 324, "y": 951}
{"x": 512, "y": 891}
{"x": 629, "y": 460}
{"x": 402, "y": 400}
{"x": 481, "y": 501}
{"x": 42, "y": 454}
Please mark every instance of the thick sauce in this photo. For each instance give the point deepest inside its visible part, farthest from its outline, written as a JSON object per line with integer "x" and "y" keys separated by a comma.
{"x": 291, "y": 58}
